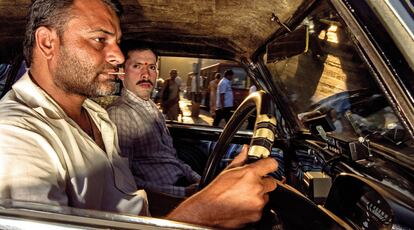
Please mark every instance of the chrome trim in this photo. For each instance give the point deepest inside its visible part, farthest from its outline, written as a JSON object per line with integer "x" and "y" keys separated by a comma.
{"x": 258, "y": 151}
{"x": 264, "y": 133}
{"x": 335, "y": 218}
{"x": 90, "y": 219}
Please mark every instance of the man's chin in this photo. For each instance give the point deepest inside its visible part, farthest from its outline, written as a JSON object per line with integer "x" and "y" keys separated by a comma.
{"x": 107, "y": 90}
{"x": 143, "y": 94}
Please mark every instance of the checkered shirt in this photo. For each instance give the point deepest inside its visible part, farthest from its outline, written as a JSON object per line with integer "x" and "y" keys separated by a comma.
{"x": 146, "y": 141}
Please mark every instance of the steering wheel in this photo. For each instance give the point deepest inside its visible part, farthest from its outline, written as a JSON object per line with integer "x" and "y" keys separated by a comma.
{"x": 263, "y": 134}
{"x": 284, "y": 202}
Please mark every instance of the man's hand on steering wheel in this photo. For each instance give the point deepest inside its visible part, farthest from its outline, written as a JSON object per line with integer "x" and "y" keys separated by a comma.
{"x": 234, "y": 198}
{"x": 238, "y": 194}
{"x": 240, "y": 159}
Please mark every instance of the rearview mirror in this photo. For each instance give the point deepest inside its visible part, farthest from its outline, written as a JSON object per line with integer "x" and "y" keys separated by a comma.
{"x": 291, "y": 44}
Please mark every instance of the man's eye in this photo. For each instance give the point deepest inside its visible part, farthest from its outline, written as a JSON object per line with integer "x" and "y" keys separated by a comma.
{"x": 101, "y": 40}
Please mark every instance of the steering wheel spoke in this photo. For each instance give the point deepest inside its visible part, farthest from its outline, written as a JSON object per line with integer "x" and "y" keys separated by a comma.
{"x": 263, "y": 134}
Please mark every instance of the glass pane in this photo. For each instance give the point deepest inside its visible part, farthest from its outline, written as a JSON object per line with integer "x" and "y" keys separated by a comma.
{"x": 195, "y": 103}
{"x": 331, "y": 79}
{"x": 4, "y": 69}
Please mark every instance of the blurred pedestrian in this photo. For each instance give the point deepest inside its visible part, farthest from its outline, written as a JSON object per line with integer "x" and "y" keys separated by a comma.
{"x": 212, "y": 88}
{"x": 224, "y": 101}
{"x": 170, "y": 97}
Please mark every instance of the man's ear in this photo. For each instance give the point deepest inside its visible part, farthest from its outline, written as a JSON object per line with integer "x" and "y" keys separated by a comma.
{"x": 46, "y": 41}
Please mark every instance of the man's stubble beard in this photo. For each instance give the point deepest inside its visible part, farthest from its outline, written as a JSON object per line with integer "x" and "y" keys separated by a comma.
{"x": 80, "y": 76}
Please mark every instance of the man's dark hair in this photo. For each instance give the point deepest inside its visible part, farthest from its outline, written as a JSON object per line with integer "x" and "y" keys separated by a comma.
{"x": 52, "y": 14}
{"x": 217, "y": 76}
{"x": 228, "y": 72}
{"x": 130, "y": 46}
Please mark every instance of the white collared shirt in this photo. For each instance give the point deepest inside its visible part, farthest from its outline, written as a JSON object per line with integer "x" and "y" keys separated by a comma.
{"x": 224, "y": 87}
{"x": 46, "y": 157}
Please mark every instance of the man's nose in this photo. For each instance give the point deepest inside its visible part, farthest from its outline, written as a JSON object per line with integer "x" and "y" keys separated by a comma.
{"x": 145, "y": 71}
{"x": 114, "y": 55}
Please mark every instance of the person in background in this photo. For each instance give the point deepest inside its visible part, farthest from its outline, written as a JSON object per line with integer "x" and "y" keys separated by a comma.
{"x": 188, "y": 86}
{"x": 212, "y": 88}
{"x": 196, "y": 91}
{"x": 253, "y": 88}
{"x": 170, "y": 97}
{"x": 59, "y": 148}
{"x": 157, "y": 91}
{"x": 143, "y": 135}
{"x": 179, "y": 81}
{"x": 224, "y": 101}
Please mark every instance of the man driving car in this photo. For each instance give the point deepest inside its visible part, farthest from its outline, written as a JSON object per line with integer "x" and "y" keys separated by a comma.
{"x": 58, "y": 147}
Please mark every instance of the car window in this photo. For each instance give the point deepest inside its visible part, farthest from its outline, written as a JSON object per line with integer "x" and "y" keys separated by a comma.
{"x": 331, "y": 81}
{"x": 9, "y": 74}
{"x": 240, "y": 78}
{"x": 195, "y": 103}
{"x": 4, "y": 69}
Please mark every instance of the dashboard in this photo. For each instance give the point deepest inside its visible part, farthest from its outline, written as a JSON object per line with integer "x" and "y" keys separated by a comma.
{"x": 366, "y": 204}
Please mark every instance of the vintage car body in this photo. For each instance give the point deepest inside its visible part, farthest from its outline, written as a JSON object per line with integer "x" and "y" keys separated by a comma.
{"x": 357, "y": 66}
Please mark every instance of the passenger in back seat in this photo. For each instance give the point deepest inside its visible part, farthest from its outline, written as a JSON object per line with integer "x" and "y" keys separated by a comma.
{"x": 143, "y": 135}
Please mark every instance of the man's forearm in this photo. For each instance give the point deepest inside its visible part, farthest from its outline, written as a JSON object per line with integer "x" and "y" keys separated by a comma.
{"x": 219, "y": 204}
{"x": 193, "y": 210}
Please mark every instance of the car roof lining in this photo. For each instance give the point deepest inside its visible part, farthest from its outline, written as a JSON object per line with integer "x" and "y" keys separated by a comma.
{"x": 211, "y": 29}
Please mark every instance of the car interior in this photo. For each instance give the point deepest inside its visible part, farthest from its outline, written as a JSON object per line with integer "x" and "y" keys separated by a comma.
{"x": 333, "y": 106}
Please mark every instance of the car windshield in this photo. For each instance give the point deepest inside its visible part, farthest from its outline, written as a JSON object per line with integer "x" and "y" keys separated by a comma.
{"x": 330, "y": 80}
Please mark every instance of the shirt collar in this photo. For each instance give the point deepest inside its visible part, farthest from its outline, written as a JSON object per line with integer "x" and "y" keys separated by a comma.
{"x": 132, "y": 97}
{"x": 36, "y": 98}
{"x": 225, "y": 79}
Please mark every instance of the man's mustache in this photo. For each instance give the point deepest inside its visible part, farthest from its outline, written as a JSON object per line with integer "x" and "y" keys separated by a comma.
{"x": 145, "y": 81}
